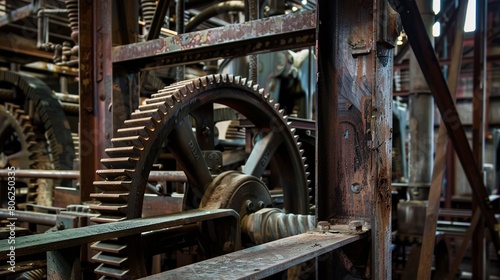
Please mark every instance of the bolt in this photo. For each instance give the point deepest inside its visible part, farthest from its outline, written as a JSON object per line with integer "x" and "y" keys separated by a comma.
{"x": 356, "y": 188}
{"x": 205, "y": 131}
{"x": 261, "y": 204}
{"x": 323, "y": 225}
{"x": 249, "y": 205}
{"x": 228, "y": 246}
{"x": 355, "y": 225}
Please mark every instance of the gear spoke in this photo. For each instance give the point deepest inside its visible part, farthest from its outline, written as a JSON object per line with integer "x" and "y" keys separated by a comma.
{"x": 262, "y": 153}
{"x": 184, "y": 146}
{"x": 19, "y": 158}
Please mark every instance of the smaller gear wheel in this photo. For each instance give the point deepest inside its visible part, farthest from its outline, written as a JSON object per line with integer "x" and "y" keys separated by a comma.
{"x": 20, "y": 149}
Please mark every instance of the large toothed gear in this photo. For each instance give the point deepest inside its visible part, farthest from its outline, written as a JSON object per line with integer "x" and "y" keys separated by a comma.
{"x": 46, "y": 114}
{"x": 165, "y": 118}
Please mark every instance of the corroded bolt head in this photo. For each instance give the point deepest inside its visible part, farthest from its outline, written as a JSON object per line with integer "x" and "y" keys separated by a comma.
{"x": 323, "y": 225}
{"x": 355, "y": 225}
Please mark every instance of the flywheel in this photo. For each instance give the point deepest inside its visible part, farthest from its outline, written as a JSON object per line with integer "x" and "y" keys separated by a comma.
{"x": 166, "y": 120}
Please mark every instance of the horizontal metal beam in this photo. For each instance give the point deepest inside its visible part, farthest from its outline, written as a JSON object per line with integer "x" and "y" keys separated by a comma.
{"x": 17, "y": 14}
{"x": 263, "y": 260}
{"x": 269, "y": 34}
{"x": 38, "y": 243}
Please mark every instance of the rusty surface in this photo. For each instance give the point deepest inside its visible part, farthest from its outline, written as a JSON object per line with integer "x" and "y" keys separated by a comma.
{"x": 29, "y": 245}
{"x": 94, "y": 89}
{"x": 263, "y": 260}
{"x": 354, "y": 122}
{"x": 478, "y": 244}
{"x": 429, "y": 63}
{"x": 274, "y": 33}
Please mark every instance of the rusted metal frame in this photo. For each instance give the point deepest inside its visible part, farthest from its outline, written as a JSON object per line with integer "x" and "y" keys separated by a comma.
{"x": 50, "y": 241}
{"x": 17, "y": 14}
{"x": 177, "y": 176}
{"x": 465, "y": 242}
{"x": 157, "y": 22}
{"x": 94, "y": 89}
{"x": 354, "y": 119}
{"x": 125, "y": 25}
{"x": 275, "y": 33}
{"x": 252, "y": 13}
{"x": 412, "y": 22}
{"x": 179, "y": 27}
{"x": 478, "y": 120}
{"x": 262, "y": 260}
{"x": 428, "y": 238}
{"x": 450, "y": 175}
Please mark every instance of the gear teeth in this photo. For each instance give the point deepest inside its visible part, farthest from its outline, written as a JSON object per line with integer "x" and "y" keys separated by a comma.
{"x": 266, "y": 96}
{"x": 115, "y": 174}
{"x": 166, "y": 100}
{"x": 136, "y": 141}
{"x": 113, "y": 186}
{"x": 151, "y": 106}
{"x": 110, "y": 207}
{"x": 308, "y": 183}
{"x": 109, "y": 259}
{"x": 243, "y": 81}
{"x": 109, "y": 197}
{"x": 148, "y": 122}
{"x": 127, "y": 151}
{"x": 299, "y": 144}
{"x": 296, "y": 138}
{"x": 109, "y": 246}
{"x": 153, "y": 113}
{"x": 142, "y": 131}
{"x": 120, "y": 163}
{"x": 282, "y": 112}
{"x": 276, "y": 106}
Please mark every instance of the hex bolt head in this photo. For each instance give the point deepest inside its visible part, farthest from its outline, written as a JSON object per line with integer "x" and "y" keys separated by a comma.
{"x": 261, "y": 204}
{"x": 356, "y": 188}
{"x": 228, "y": 247}
{"x": 355, "y": 225}
{"x": 323, "y": 225}
{"x": 250, "y": 206}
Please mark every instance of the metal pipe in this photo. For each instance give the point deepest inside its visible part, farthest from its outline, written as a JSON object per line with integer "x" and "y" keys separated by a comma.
{"x": 30, "y": 217}
{"x": 421, "y": 148}
{"x": 170, "y": 176}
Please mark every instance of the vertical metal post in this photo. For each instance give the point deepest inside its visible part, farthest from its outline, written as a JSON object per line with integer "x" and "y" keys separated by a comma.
{"x": 421, "y": 149}
{"x": 179, "y": 23}
{"x": 94, "y": 88}
{"x": 354, "y": 125}
{"x": 252, "y": 13}
{"x": 478, "y": 117}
